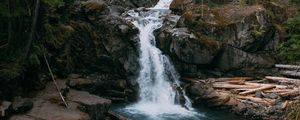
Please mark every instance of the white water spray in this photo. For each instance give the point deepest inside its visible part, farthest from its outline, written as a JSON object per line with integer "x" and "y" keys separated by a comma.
{"x": 158, "y": 80}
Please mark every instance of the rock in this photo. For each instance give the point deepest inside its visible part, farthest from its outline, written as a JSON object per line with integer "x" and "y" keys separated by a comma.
{"x": 120, "y": 84}
{"x": 258, "y": 94}
{"x": 79, "y": 83}
{"x": 95, "y": 106}
{"x": 50, "y": 111}
{"x": 21, "y": 105}
{"x": 94, "y": 6}
{"x": 180, "y": 5}
{"x": 124, "y": 28}
{"x": 233, "y": 58}
{"x": 189, "y": 48}
{"x": 4, "y": 109}
{"x": 271, "y": 95}
{"x": 74, "y": 76}
{"x": 81, "y": 105}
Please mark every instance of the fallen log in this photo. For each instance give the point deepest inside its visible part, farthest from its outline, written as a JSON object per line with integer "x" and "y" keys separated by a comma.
{"x": 257, "y": 89}
{"x": 115, "y": 116}
{"x": 283, "y": 80}
{"x": 261, "y": 84}
{"x": 241, "y": 82}
{"x": 256, "y": 100}
{"x": 233, "y": 79}
{"x": 291, "y": 73}
{"x": 290, "y": 94}
{"x": 287, "y": 66}
{"x": 278, "y": 91}
{"x": 230, "y": 86}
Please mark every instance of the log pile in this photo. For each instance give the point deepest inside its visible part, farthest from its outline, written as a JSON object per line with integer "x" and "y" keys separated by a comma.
{"x": 242, "y": 94}
{"x": 259, "y": 91}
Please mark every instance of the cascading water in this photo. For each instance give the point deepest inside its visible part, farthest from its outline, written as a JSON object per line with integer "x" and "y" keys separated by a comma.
{"x": 158, "y": 80}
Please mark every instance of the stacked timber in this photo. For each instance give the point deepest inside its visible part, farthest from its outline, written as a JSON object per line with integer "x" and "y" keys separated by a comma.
{"x": 267, "y": 98}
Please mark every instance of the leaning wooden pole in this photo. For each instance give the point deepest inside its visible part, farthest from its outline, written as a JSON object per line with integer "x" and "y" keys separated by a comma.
{"x": 54, "y": 81}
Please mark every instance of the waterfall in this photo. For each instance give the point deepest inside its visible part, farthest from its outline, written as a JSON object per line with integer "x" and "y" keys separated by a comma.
{"x": 158, "y": 79}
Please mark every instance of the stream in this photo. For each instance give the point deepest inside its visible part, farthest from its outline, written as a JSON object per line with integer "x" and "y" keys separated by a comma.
{"x": 201, "y": 113}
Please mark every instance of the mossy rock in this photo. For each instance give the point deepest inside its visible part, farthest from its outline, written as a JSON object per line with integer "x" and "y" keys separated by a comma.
{"x": 95, "y": 5}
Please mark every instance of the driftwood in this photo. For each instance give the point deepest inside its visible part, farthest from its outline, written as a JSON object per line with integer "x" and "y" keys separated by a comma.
{"x": 241, "y": 82}
{"x": 290, "y": 94}
{"x": 229, "y": 86}
{"x": 263, "y": 84}
{"x": 256, "y": 100}
{"x": 283, "y": 80}
{"x": 240, "y": 95}
{"x": 257, "y": 89}
{"x": 277, "y": 91}
{"x": 291, "y": 73}
{"x": 233, "y": 79}
{"x": 54, "y": 81}
{"x": 287, "y": 66}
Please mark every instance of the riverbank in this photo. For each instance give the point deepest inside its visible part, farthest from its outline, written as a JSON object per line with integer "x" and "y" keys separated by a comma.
{"x": 218, "y": 98}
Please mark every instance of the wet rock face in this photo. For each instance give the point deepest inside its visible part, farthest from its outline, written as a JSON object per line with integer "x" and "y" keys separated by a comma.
{"x": 95, "y": 39}
{"x": 233, "y": 58}
{"x": 229, "y": 36}
{"x": 187, "y": 47}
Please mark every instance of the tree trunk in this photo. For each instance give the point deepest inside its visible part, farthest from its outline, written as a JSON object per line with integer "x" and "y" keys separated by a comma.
{"x": 33, "y": 26}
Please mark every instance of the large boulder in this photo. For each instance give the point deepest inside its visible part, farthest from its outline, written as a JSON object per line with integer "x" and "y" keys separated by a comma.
{"x": 21, "y": 105}
{"x": 95, "y": 106}
{"x": 189, "y": 48}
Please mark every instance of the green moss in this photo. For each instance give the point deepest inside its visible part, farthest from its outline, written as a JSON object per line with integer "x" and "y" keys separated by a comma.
{"x": 289, "y": 48}
{"x": 257, "y": 31}
{"x": 10, "y": 71}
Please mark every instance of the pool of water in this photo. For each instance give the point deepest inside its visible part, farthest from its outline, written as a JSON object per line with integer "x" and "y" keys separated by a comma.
{"x": 200, "y": 113}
